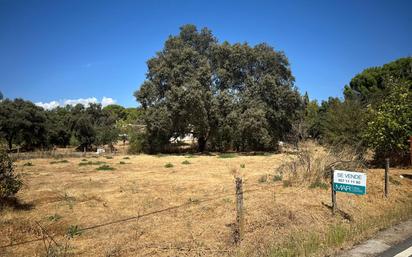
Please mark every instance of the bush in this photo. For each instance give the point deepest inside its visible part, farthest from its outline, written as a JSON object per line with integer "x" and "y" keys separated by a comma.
{"x": 185, "y": 162}
{"x": 136, "y": 143}
{"x": 242, "y": 165}
{"x": 10, "y": 183}
{"x": 105, "y": 167}
{"x": 168, "y": 165}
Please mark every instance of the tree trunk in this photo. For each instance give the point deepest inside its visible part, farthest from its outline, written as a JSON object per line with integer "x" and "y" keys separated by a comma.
{"x": 201, "y": 142}
{"x": 10, "y": 142}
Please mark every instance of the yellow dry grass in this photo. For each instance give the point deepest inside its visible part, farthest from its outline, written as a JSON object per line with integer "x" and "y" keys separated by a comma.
{"x": 130, "y": 211}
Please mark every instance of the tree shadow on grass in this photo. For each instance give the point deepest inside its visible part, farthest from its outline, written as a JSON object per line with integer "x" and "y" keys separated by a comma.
{"x": 15, "y": 204}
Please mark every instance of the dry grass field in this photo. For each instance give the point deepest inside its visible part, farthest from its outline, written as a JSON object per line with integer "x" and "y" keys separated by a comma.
{"x": 185, "y": 206}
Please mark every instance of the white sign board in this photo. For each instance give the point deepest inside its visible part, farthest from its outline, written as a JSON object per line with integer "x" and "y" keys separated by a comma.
{"x": 349, "y": 182}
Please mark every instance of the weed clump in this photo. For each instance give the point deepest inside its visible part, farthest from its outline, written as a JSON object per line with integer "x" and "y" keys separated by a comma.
{"x": 91, "y": 163}
{"x": 73, "y": 231}
{"x": 168, "y": 165}
{"x": 263, "y": 179}
{"x": 105, "y": 167}
{"x": 242, "y": 165}
{"x": 186, "y": 162}
{"x": 319, "y": 184}
{"x": 28, "y": 164}
{"x": 60, "y": 161}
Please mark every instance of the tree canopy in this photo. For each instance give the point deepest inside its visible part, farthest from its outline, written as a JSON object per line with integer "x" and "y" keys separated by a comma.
{"x": 232, "y": 96}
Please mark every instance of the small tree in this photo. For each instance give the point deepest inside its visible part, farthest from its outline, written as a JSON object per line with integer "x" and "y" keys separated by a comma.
{"x": 10, "y": 183}
{"x": 390, "y": 123}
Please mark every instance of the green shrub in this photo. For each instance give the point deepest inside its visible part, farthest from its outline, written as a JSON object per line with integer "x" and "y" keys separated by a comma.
{"x": 105, "y": 167}
{"x": 126, "y": 158}
{"x": 10, "y": 183}
{"x": 168, "y": 165}
{"x": 227, "y": 155}
{"x": 60, "y": 161}
{"x": 136, "y": 143}
{"x": 242, "y": 165}
{"x": 109, "y": 157}
{"x": 84, "y": 160}
{"x": 185, "y": 162}
{"x": 122, "y": 162}
{"x": 28, "y": 164}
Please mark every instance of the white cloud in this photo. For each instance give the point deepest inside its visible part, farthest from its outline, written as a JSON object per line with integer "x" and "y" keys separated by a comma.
{"x": 48, "y": 106}
{"x": 107, "y": 101}
{"x": 84, "y": 101}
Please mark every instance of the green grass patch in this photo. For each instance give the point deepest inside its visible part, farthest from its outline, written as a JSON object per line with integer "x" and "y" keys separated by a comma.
{"x": 105, "y": 167}
{"x": 60, "y": 161}
{"x": 242, "y": 165}
{"x": 91, "y": 163}
{"x": 54, "y": 217}
{"x": 168, "y": 165}
{"x": 227, "y": 155}
{"x": 319, "y": 184}
{"x": 84, "y": 160}
{"x": 122, "y": 162}
{"x": 186, "y": 162}
{"x": 108, "y": 157}
{"x": 73, "y": 231}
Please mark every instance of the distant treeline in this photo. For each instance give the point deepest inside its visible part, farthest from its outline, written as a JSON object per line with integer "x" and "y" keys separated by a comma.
{"x": 29, "y": 127}
{"x": 228, "y": 97}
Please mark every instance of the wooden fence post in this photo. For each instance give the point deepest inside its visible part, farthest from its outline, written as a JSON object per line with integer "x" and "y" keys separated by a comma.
{"x": 239, "y": 211}
{"x": 333, "y": 192}
{"x": 386, "y": 177}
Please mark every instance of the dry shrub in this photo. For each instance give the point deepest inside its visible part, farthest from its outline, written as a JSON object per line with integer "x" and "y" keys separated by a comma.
{"x": 313, "y": 163}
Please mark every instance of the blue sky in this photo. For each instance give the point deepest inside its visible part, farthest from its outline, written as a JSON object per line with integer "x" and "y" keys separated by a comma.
{"x": 67, "y": 50}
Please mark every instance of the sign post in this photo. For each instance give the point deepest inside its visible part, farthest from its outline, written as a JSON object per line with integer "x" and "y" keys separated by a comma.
{"x": 347, "y": 182}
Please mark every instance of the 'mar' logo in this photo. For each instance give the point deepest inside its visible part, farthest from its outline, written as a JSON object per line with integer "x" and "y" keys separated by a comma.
{"x": 342, "y": 188}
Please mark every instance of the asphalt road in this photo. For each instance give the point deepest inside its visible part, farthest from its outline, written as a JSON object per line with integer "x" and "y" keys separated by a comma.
{"x": 403, "y": 249}
{"x": 395, "y": 241}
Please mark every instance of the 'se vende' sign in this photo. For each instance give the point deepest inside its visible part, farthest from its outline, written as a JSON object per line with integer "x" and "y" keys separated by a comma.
{"x": 349, "y": 182}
